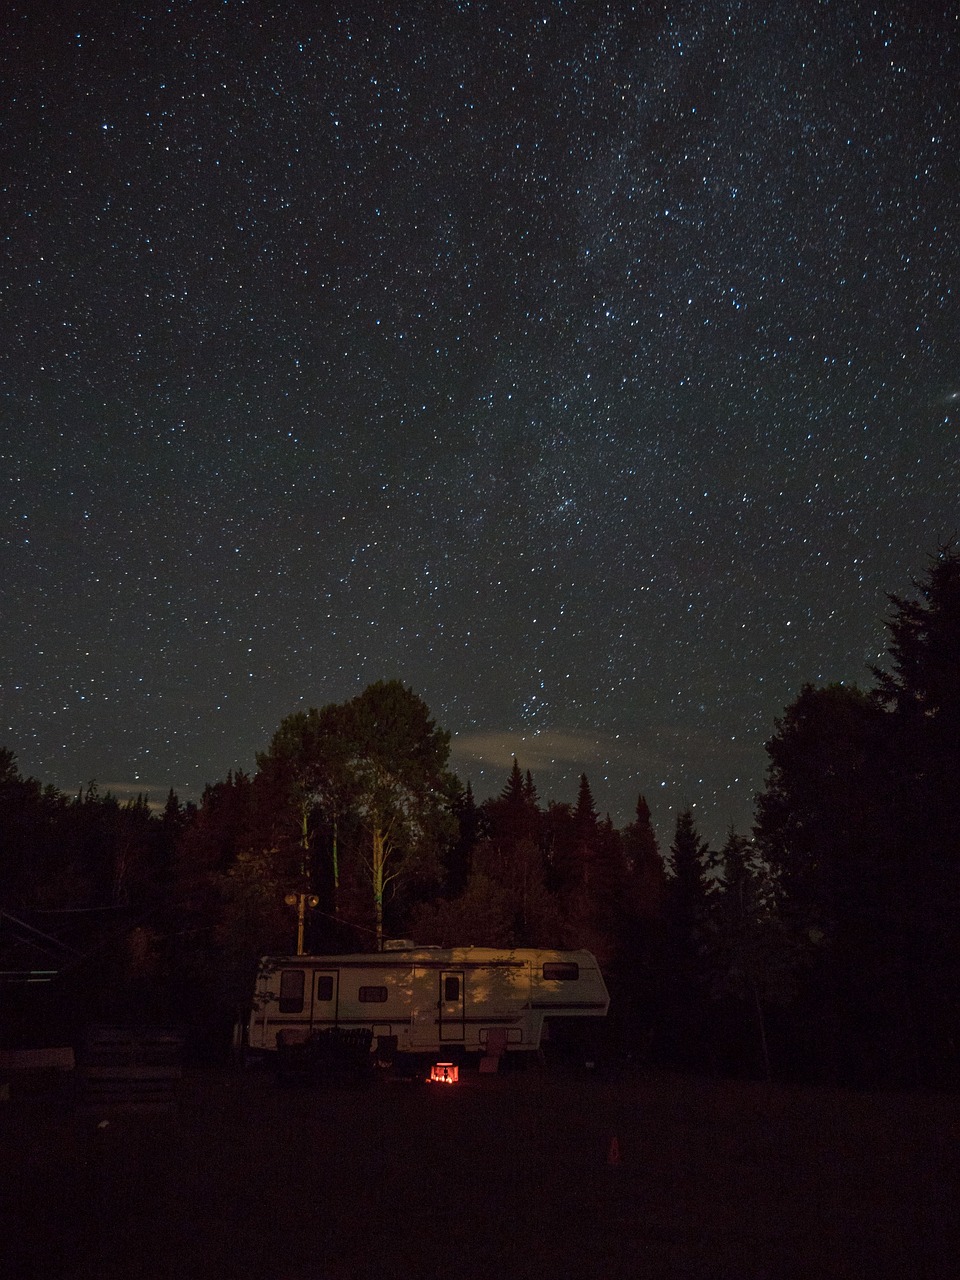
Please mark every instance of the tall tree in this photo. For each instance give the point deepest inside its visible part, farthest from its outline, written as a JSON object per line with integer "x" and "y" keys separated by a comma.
{"x": 823, "y": 826}
{"x": 470, "y": 825}
{"x": 688, "y": 888}
{"x": 645, "y": 863}
{"x": 685, "y": 910}
{"x": 32, "y": 845}
{"x": 585, "y": 811}
{"x": 514, "y": 815}
{"x": 750, "y": 960}
{"x": 400, "y": 784}
{"x": 306, "y": 771}
{"x": 593, "y": 879}
{"x": 637, "y": 974}
{"x": 922, "y": 692}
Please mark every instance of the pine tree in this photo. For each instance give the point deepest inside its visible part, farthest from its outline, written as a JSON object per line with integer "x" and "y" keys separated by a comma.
{"x": 751, "y": 963}
{"x": 688, "y": 889}
{"x": 645, "y": 863}
{"x": 922, "y": 692}
{"x": 469, "y": 828}
{"x": 685, "y": 931}
{"x": 514, "y": 815}
{"x": 511, "y": 856}
{"x": 585, "y": 811}
{"x": 823, "y": 827}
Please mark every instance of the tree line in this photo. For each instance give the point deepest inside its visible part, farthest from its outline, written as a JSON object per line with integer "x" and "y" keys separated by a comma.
{"x": 823, "y": 946}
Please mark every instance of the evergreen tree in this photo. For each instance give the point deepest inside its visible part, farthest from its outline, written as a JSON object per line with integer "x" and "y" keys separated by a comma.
{"x": 33, "y": 851}
{"x": 530, "y": 791}
{"x": 685, "y": 910}
{"x": 638, "y": 967}
{"x": 922, "y": 692}
{"x": 687, "y": 888}
{"x": 558, "y": 840}
{"x": 586, "y": 829}
{"x": 470, "y": 827}
{"x": 511, "y": 856}
{"x": 644, "y": 863}
{"x": 221, "y": 916}
{"x": 585, "y": 811}
{"x": 750, "y": 960}
{"x": 823, "y": 826}
{"x": 514, "y": 815}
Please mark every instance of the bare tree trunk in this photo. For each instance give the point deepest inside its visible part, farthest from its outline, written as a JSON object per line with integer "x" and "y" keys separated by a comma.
{"x": 336, "y": 871}
{"x": 762, "y": 1024}
{"x": 379, "y": 859}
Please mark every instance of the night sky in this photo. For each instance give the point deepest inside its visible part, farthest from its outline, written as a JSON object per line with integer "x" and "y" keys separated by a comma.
{"x": 593, "y": 368}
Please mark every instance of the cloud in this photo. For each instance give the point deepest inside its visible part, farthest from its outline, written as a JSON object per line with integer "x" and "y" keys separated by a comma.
{"x": 496, "y": 748}
{"x": 661, "y": 749}
{"x": 124, "y": 791}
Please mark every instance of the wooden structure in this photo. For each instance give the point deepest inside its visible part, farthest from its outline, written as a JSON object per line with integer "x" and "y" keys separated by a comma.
{"x": 130, "y": 1068}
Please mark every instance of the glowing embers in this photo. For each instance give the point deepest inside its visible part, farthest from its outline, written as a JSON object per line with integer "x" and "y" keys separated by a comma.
{"x": 444, "y": 1073}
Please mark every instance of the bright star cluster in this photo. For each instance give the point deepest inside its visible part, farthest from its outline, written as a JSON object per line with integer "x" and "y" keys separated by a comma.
{"x": 590, "y": 367}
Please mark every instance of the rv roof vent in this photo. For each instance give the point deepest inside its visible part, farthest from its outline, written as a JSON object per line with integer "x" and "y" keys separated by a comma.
{"x": 399, "y": 944}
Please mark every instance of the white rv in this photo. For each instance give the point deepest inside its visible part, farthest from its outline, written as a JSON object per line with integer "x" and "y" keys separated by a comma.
{"x": 432, "y": 1000}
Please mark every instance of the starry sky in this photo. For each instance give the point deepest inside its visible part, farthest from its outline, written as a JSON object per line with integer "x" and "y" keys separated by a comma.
{"x": 591, "y": 367}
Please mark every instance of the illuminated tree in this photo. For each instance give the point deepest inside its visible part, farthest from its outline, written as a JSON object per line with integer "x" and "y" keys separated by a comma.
{"x": 400, "y": 787}
{"x": 306, "y": 774}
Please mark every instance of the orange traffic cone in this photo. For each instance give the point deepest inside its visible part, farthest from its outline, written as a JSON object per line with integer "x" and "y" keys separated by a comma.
{"x": 613, "y": 1154}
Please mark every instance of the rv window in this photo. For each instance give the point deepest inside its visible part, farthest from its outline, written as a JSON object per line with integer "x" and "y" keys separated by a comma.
{"x": 373, "y": 995}
{"x": 451, "y": 989}
{"x": 291, "y": 991}
{"x": 568, "y": 972}
{"x": 325, "y": 986}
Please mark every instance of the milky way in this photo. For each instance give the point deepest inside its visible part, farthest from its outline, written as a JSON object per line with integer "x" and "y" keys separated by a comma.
{"x": 592, "y": 371}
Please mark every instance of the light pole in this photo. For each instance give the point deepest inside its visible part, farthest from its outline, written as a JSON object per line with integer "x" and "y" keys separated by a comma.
{"x": 301, "y": 901}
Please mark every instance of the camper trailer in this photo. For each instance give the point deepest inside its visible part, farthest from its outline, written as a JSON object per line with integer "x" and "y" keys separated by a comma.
{"x": 432, "y": 1000}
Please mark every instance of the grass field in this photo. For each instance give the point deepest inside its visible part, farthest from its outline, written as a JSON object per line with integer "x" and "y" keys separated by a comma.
{"x": 497, "y": 1176}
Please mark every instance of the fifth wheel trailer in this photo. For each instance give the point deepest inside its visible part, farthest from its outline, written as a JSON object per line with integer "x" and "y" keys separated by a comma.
{"x": 433, "y": 1000}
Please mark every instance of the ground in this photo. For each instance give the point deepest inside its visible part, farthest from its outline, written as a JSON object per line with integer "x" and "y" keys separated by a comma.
{"x": 533, "y": 1174}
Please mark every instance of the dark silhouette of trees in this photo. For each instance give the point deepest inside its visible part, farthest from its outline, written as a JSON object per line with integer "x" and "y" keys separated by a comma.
{"x": 685, "y": 1008}
{"x": 81, "y": 903}
{"x": 505, "y": 901}
{"x": 470, "y": 828}
{"x": 860, "y": 822}
{"x": 636, "y": 966}
{"x": 513, "y": 817}
{"x": 921, "y": 692}
{"x": 645, "y": 864}
{"x": 596, "y": 891}
{"x": 822, "y": 827}
{"x": 31, "y": 855}
{"x": 750, "y": 961}
{"x": 827, "y": 948}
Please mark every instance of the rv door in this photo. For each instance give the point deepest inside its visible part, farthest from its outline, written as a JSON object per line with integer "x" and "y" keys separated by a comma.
{"x": 450, "y": 1005}
{"x": 325, "y": 997}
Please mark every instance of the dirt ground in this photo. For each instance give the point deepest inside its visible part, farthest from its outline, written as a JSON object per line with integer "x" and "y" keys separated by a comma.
{"x": 528, "y": 1175}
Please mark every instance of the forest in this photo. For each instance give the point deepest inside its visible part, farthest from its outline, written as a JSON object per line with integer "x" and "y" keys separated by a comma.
{"x": 823, "y": 946}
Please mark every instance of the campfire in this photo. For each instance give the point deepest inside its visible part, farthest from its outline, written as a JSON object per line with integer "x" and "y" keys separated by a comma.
{"x": 444, "y": 1073}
